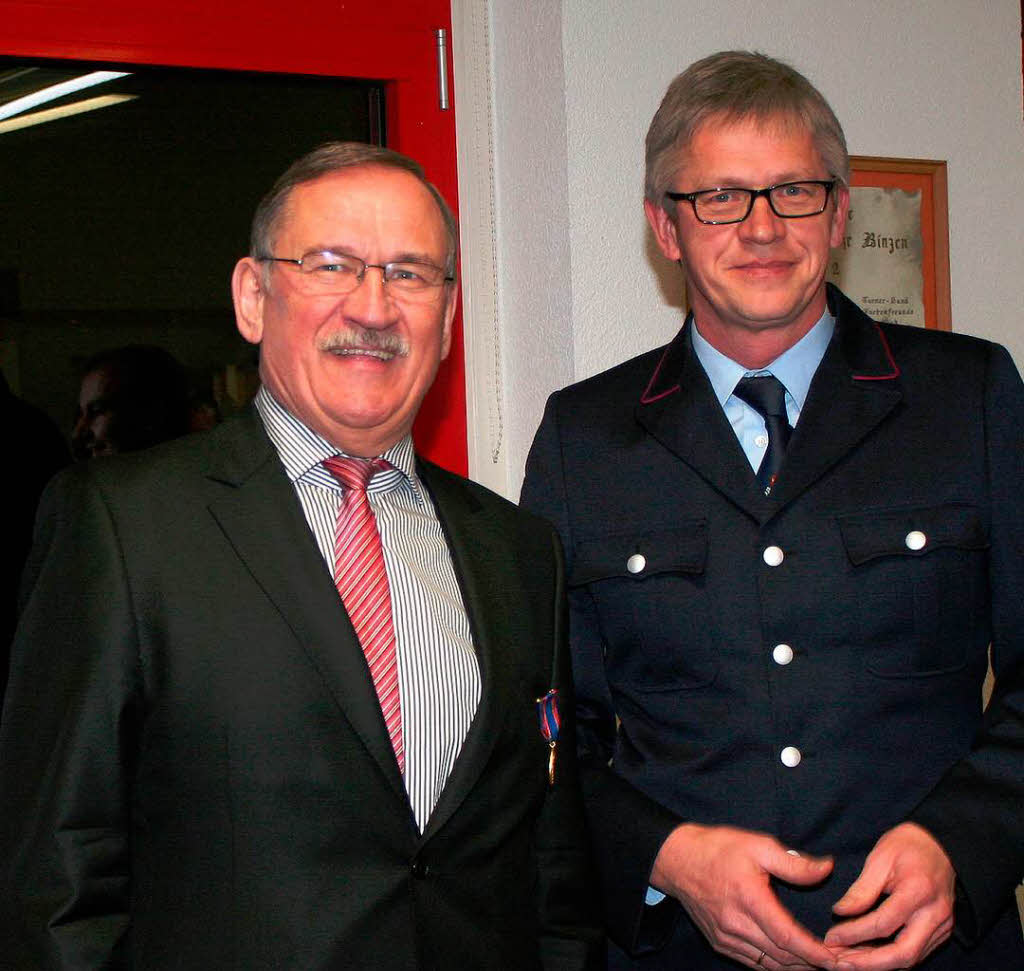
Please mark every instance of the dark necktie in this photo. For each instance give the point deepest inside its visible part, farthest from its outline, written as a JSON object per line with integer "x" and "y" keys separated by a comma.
{"x": 766, "y": 395}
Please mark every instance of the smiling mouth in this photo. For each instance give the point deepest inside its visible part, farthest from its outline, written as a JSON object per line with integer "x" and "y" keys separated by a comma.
{"x": 376, "y": 352}
{"x": 770, "y": 265}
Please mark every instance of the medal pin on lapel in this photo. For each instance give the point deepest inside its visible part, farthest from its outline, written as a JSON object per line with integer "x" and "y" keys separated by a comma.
{"x": 550, "y": 722}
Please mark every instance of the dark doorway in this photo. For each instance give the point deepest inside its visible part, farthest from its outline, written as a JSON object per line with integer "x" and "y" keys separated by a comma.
{"x": 122, "y": 224}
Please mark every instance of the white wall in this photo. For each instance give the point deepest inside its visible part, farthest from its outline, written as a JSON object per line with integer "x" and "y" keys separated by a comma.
{"x": 534, "y": 249}
{"x": 575, "y": 85}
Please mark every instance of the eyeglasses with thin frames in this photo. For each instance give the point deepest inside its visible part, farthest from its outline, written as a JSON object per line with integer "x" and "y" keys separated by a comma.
{"x": 328, "y": 273}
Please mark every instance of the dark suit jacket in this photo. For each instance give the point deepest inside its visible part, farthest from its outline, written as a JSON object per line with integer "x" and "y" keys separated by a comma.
{"x": 195, "y": 769}
{"x": 903, "y": 430}
{"x": 36, "y": 450}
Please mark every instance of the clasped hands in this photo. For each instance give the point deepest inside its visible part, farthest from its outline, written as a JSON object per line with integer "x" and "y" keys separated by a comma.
{"x": 722, "y": 876}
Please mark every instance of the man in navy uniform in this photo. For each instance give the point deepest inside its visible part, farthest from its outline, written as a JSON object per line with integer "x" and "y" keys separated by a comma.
{"x": 792, "y": 535}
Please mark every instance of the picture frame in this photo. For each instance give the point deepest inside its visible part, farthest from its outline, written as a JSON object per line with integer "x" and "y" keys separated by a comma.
{"x": 896, "y": 246}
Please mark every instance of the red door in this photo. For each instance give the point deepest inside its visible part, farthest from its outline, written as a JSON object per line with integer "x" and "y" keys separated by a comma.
{"x": 387, "y": 40}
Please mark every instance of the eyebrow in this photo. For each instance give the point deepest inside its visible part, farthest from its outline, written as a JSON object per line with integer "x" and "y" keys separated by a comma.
{"x": 734, "y": 182}
{"x": 409, "y": 256}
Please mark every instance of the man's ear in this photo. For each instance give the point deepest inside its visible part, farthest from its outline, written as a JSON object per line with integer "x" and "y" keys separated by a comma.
{"x": 665, "y": 231}
{"x": 248, "y": 293}
{"x": 839, "y": 216}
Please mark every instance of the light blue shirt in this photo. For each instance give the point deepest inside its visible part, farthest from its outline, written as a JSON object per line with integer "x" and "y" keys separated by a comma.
{"x": 794, "y": 368}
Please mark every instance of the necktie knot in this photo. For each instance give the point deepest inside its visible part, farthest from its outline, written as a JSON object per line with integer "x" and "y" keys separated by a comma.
{"x": 764, "y": 393}
{"x": 354, "y": 473}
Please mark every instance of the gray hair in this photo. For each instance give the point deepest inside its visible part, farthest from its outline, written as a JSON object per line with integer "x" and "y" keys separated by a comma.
{"x": 335, "y": 157}
{"x": 734, "y": 86}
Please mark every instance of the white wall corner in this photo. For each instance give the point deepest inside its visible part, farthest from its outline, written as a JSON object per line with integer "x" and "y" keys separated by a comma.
{"x": 513, "y": 191}
{"x": 474, "y": 128}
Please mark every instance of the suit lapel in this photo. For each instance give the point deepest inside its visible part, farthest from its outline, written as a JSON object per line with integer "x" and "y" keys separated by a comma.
{"x": 680, "y": 410}
{"x": 855, "y": 387}
{"x": 480, "y": 549}
{"x": 262, "y": 519}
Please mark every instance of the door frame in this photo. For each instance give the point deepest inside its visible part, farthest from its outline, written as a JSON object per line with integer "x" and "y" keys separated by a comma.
{"x": 391, "y": 41}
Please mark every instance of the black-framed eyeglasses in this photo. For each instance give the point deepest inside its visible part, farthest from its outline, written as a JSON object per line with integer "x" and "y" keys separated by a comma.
{"x": 730, "y": 204}
{"x": 334, "y": 274}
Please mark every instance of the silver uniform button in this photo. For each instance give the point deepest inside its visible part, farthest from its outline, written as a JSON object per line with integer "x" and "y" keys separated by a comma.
{"x": 915, "y": 540}
{"x": 782, "y": 654}
{"x": 636, "y": 563}
{"x": 773, "y": 556}
{"x": 790, "y": 756}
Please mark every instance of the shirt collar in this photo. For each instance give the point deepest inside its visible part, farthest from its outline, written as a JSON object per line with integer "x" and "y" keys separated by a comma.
{"x": 795, "y": 367}
{"x": 303, "y": 451}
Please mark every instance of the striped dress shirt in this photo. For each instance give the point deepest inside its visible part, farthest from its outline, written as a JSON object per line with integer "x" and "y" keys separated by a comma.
{"x": 438, "y": 673}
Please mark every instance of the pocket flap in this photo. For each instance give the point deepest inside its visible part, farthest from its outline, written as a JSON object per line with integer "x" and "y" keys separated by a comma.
{"x": 638, "y": 555}
{"x": 911, "y": 531}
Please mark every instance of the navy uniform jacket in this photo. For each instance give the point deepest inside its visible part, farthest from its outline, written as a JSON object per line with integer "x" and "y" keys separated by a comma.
{"x": 194, "y": 770}
{"x": 898, "y": 534}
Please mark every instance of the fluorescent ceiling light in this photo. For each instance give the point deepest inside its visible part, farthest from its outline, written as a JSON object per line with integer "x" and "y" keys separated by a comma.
{"x": 54, "y": 91}
{"x": 65, "y": 111}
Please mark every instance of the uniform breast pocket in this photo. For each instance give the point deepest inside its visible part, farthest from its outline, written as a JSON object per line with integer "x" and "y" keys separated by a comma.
{"x": 919, "y": 574}
{"x": 648, "y": 590}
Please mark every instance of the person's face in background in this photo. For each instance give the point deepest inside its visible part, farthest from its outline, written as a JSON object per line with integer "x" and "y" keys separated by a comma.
{"x": 95, "y": 429}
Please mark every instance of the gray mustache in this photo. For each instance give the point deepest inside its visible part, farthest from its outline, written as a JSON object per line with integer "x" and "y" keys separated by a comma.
{"x": 365, "y": 339}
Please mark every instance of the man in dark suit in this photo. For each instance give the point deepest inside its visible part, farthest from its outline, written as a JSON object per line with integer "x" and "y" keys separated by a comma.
{"x": 201, "y": 768}
{"x": 35, "y": 451}
{"x": 791, "y": 537}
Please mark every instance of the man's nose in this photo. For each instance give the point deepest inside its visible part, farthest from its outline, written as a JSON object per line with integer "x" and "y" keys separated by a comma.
{"x": 762, "y": 225}
{"x": 371, "y": 303}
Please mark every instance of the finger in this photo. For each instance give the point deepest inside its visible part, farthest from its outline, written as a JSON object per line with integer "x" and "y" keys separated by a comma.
{"x": 787, "y": 940}
{"x": 879, "y": 924}
{"x": 864, "y": 891}
{"x": 939, "y": 936}
{"x": 745, "y": 941}
{"x": 875, "y": 959}
{"x": 768, "y": 963}
{"x": 790, "y": 964}
{"x": 905, "y": 908}
{"x": 908, "y": 949}
{"x": 750, "y": 955}
{"x": 777, "y": 960}
{"x": 794, "y": 867}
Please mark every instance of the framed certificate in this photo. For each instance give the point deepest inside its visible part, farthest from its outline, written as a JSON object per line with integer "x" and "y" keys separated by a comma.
{"x": 894, "y": 259}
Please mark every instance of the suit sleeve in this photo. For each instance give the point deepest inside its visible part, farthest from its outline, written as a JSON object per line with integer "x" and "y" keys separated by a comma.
{"x": 627, "y": 827}
{"x": 976, "y": 809}
{"x": 66, "y": 744}
{"x": 571, "y": 932}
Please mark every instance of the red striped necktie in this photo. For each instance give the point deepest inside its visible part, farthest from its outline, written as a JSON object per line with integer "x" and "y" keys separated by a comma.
{"x": 362, "y": 582}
